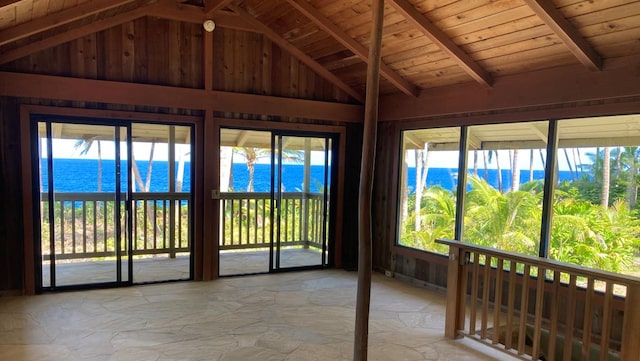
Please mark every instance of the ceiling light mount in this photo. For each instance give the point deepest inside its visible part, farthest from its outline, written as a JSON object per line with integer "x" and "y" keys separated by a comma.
{"x": 209, "y": 25}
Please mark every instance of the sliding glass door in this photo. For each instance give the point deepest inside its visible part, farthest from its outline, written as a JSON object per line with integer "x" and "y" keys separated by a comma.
{"x": 104, "y": 219}
{"x": 275, "y": 191}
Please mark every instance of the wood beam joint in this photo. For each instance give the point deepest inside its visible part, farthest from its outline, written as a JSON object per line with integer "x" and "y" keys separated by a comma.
{"x": 348, "y": 42}
{"x": 297, "y": 53}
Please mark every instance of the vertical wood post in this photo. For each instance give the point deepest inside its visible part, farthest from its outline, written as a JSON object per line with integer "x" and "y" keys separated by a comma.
{"x": 453, "y": 313}
{"x": 630, "y": 350}
{"x": 366, "y": 184}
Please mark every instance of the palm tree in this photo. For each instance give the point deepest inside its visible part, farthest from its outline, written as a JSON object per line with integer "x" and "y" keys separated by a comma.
{"x": 422, "y": 170}
{"x": 84, "y": 145}
{"x": 515, "y": 172}
{"x": 606, "y": 176}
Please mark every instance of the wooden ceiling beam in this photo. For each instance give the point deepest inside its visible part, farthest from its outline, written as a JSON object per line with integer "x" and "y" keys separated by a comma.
{"x": 4, "y": 3}
{"x": 348, "y": 42}
{"x": 576, "y": 43}
{"x": 56, "y": 19}
{"x": 169, "y": 9}
{"x": 299, "y": 54}
{"x": 619, "y": 78}
{"x": 211, "y": 6}
{"x": 442, "y": 41}
{"x": 103, "y": 91}
{"x": 73, "y": 34}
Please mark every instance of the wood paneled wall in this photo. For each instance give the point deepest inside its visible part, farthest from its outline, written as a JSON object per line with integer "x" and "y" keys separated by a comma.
{"x": 11, "y": 247}
{"x": 164, "y": 52}
{"x": 159, "y": 52}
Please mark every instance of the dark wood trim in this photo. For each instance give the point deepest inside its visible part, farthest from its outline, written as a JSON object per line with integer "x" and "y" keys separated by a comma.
{"x": 571, "y": 84}
{"x": 89, "y": 90}
{"x": 211, "y": 233}
{"x": 29, "y": 283}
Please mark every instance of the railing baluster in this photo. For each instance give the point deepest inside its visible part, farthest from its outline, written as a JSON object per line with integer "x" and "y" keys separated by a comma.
{"x": 571, "y": 315}
{"x": 537, "y": 323}
{"x": 255, "y": 221}
{"x": 486, "y": 286}
{"x": 511, "y": 305}
{"x": 73, "y": 226}
{"x": 553, "y": 331}
{"x": 588, "y": 319}
{"x": 524, "y": 306}
{"x": 606, "y": 321}
{"x": 84, "y": 226}
{"x": 95, "y": 226}
{"x": 223, "y": 217}
{"x": 240, "y": 207}
{"x": 248, "y": 221}
{"x": 474, "y": 293}
{"x": 497, "y": 302}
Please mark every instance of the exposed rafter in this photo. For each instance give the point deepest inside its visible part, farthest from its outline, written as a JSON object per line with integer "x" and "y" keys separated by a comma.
{"x": 242, "y": 138}
{"x": 343, "y": 38}
{"x": 4, "y": 3}
{"x": 442, "y": 40}
{"x": 300, "y": 55}
{"x": 169, "y": 9}
{"x": 211, "y": 6}
{"x": 567, "y": 32}
{"x": 60, "y": 18}
{"x": 73, "y": 34}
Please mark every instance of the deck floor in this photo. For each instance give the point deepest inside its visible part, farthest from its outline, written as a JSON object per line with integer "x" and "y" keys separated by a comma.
{"x": 294, "y": 316}
{"x": 163, "y": 268}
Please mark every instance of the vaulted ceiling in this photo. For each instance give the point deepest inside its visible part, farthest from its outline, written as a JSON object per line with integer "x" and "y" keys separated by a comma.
{"x": 426, "y": 43}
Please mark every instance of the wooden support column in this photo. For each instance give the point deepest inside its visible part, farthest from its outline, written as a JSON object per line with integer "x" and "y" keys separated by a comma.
{"x": 211, "y": 149}
{"x": 366, "y": 184}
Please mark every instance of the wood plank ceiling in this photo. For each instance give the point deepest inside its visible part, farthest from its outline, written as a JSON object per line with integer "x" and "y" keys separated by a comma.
{"x": 426, "y": 43}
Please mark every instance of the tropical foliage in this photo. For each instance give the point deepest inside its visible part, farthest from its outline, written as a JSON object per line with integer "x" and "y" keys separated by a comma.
{"x": 583, "y": 232}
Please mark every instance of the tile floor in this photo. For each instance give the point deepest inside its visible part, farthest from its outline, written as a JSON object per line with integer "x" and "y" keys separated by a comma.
{"x": 287, "y": 316}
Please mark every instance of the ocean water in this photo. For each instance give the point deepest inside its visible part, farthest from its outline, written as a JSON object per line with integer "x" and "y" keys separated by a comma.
{"x": 80, "y": 175}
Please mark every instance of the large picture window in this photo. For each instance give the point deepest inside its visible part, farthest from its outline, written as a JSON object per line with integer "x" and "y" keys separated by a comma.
{"x": 428, "y": 187}
{"x": 590, "y": 178}
{"x": 505, "y": 183}
{"x": 595, "y": 212}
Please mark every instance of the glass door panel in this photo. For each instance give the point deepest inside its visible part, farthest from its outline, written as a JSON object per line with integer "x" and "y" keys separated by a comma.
{"x": 80, "y": 184}
{"x": 245, "y": 205}
{"x": 301, "y": 168}
{"x": 161, "y": 201}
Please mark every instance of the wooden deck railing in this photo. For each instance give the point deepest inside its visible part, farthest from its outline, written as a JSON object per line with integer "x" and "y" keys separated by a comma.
{"x": 245, "y": 220}
{"x": 539, "y": 308}
{"x": 85, "y": 227}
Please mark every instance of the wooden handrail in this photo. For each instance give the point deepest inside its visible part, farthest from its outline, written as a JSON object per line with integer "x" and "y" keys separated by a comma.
{"x": 546, "y": 263}
{"x": 527, "y": 313}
